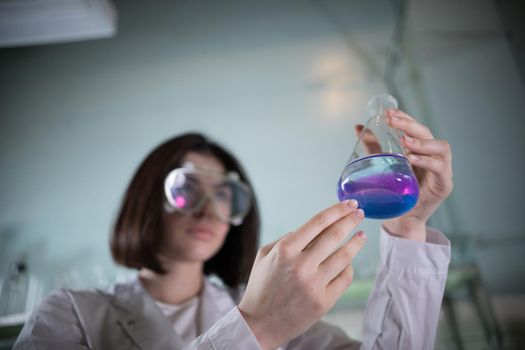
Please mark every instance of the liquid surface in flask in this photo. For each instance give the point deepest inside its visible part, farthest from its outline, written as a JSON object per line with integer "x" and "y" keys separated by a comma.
{"x": 383, "y": 184}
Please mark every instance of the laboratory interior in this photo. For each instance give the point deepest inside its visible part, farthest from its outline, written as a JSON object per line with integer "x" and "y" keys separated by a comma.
{"x": 89, "y": 87}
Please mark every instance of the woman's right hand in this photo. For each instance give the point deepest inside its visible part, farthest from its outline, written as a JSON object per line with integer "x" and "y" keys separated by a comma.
{"x": 298, "y": 278}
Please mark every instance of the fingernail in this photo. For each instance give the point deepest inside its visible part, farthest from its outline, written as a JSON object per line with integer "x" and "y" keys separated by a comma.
{"x": 360, "y": 213}
{"x": 409, "y": 139}
{"x": 413, "y": 157}
{"x": 352, "y": 203}
{"x": 361, "y": 235}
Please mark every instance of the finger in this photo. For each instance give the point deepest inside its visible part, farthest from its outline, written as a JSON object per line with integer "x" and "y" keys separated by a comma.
{"x": 370, "y": 141}
{"x": 342, "y": 257}
{"x": 439, "y": 167}
{"x": 301, "y": 237}
{"x": 402, "y": 121}
{"x": 441, "y": 171}
{"x": 340, "y": 284}
{"x": 331, "y": 237}
{"x": 399, "y": 113}
{"x": 320, "y": 236}
{"x": 435, "y": 148}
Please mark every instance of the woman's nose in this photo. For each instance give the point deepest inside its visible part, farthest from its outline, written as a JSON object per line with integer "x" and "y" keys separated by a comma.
{"x": 207, "y": 210}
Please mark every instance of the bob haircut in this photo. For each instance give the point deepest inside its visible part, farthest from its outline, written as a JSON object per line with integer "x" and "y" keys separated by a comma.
{"x": 136, "y": 237}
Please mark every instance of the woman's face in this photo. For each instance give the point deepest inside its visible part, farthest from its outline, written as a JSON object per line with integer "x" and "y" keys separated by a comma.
{"x": 194, "y": 237}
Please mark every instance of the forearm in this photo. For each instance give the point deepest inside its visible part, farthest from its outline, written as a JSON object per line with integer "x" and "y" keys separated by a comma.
{"x": 403, "y": 308}
{"x": 409, "y": 229}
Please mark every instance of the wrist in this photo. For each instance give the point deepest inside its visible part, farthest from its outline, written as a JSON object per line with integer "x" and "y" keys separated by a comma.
{"x": 407, "y": 227}
{"x": 258, "y": 330}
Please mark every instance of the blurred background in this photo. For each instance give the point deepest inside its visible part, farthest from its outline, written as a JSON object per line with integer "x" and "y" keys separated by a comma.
{"x": 89, "y": 87}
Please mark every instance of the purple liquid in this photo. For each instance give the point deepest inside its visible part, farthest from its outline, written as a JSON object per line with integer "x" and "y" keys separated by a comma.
{"x": 383, "y": 184}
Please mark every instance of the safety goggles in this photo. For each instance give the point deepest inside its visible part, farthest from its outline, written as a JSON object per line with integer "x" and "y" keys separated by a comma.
{"x": 187, "y": 189}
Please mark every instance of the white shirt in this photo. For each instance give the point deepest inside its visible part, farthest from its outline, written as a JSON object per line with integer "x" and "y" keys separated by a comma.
{"x": 184, "y": 318}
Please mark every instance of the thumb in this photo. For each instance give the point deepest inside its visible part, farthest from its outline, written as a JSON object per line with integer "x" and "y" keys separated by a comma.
{"x": 358, "y": 128}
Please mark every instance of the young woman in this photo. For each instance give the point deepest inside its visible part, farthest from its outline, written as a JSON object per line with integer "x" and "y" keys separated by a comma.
{"x": 189, "y": 223}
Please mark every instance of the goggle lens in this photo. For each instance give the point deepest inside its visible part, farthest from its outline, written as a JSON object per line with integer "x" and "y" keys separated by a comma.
{"x": 188, "y": 189}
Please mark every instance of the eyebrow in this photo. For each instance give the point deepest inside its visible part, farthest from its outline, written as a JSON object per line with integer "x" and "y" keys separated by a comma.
{"x": 222, "y": 185}
{"x": 195, "y": 180}
{"x": 192, "y": 180}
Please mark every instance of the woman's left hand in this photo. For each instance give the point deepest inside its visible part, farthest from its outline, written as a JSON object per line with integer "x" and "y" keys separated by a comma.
{"x": 432, "y": 162}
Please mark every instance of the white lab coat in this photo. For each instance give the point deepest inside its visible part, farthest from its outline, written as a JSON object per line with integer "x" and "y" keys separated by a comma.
{"x": 402, "y": 311}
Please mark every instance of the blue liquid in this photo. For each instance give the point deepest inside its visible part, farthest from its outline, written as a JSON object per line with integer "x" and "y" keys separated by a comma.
{"x": 384, "y": 185}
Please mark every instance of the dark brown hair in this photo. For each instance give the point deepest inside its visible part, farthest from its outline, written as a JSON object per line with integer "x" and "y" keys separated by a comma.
{"x": 137, "y": 234}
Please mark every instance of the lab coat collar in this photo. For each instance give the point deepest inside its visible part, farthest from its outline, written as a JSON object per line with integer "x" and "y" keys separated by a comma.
{"x": 141, "y": 318}
{"x": 216, "y": 302}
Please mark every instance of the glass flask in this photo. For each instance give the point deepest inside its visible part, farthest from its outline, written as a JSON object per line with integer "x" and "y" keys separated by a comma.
{"x": 378, "y": 174}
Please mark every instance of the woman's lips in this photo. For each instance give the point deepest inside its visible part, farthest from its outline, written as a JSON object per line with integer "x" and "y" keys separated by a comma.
{"x": 201, "y": 233}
